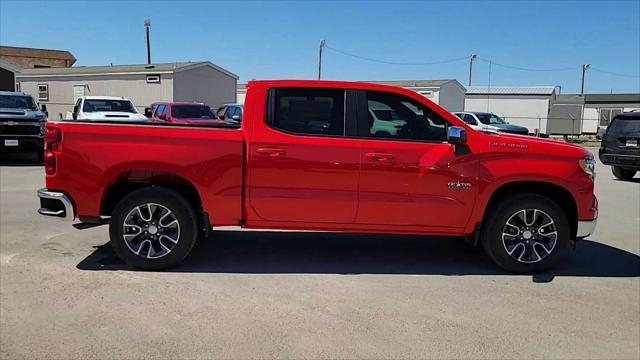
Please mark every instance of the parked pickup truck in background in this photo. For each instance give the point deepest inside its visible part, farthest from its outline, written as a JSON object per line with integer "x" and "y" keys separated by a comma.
{"x": 184, "y": 113}
{"x": 21, "y": 123}
{"x": 307, "y": 156}
{"x": 105, "y": 108}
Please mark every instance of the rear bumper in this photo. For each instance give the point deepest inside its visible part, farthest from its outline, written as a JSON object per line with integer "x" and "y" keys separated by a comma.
{"x": 619, "y": 159}
{"x": 55, "y": 204}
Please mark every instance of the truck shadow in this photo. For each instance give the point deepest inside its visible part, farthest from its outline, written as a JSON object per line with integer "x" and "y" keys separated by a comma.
{"x": 261, "y": 252}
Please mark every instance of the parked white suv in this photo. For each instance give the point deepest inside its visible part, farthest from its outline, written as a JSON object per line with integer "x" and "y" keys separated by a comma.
{"x": 105, "y": 108}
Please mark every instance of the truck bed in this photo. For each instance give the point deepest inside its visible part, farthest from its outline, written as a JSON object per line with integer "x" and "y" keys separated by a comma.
{"x": 89, "y": 163}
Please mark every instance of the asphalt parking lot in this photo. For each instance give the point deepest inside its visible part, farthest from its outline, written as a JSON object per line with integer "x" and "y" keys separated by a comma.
{"x": 254, "y": 294}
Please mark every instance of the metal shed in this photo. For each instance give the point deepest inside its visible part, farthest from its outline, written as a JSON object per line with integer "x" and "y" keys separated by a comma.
{"x": 144, "y": 84}
{"x": 528, "y": 106}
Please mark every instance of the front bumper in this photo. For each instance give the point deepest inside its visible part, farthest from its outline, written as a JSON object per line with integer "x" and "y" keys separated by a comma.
{"x": 24, "y": 142}
{"x": 55, "y": 204}
{"x": 586, "y": 228}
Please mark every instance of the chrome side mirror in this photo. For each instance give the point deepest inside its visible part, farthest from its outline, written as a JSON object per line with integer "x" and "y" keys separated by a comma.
{"x": 456, "y": 135}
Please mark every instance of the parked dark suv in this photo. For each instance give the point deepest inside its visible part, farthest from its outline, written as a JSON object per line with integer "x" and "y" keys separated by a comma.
{"x": 620, "y": 146}
{"x": 21, "y": 123}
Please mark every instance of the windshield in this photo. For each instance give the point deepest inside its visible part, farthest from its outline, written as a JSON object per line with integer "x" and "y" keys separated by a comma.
{"x": 96, "y": 105}
{"x": 17, "y": 102}
{"x": 490, "y": 119}
{"x": 191, "y": 112}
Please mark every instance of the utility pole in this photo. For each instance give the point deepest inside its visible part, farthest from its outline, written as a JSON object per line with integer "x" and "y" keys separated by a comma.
{"x": 471, "y": 58}
{"x": 147, "y": 25}
{"x": 322, "y": 44}
{"x": 585, "y": 67}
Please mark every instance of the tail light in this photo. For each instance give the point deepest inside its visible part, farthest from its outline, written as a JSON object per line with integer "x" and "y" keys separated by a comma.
{"x": 49, "y": 162}
{"x": 52, "y": 139}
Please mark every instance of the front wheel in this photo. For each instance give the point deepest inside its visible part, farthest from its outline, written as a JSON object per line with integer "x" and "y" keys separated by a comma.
{"x": 153, "y": 228}
{"x": 526, "y": 233}
{"x": 622, "y": 173}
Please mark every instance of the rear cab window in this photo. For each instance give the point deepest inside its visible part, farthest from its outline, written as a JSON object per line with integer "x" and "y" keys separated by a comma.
{"x": 307, "y": 111}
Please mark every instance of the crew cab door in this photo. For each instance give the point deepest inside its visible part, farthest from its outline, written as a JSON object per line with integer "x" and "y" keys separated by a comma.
{"x": 410, "y": 175}
{"x": 302, "y": 168}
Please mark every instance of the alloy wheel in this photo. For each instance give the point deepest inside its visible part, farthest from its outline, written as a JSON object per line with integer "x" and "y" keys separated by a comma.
{"x": 529, "y": 235}
{"x": 151, "y": 230}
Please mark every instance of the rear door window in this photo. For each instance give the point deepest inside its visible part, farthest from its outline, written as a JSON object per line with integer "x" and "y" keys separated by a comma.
{"x": 308, "y": 111}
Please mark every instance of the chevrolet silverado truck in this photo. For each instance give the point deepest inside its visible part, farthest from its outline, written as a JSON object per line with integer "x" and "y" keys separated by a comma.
{"x": 308, "y": 157}
{"x": 21, "y": 123}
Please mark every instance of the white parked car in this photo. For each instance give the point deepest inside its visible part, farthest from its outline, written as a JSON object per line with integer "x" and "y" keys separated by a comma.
{"x": 105, "y": 108}
{"x": 384, "y": 120}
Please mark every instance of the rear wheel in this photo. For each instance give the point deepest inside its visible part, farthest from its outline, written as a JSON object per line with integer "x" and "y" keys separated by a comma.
{"x": 153, "y": 228}
{"x": 526, "y": 233}
{"x": 622, "y": 173}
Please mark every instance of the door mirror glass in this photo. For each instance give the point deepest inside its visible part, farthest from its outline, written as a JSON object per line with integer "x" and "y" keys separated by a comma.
{"x": 456, "y": 135}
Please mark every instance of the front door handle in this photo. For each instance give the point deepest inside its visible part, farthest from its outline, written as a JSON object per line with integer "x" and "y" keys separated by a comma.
{"x": 380, "y": 156}
{"x": 273, "y": 152}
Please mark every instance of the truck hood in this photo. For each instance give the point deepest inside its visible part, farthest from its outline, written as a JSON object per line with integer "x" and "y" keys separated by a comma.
{"x": 21, "y": 115}
{"x": 112, "y": 116}
{"x": 535, "y": 145}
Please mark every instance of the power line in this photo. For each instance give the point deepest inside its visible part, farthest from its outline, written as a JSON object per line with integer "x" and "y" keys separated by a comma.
{"x": 395, "y": 62}
{"x": 491, "y": 62}
{"x": 614, "y": 74}
{"x": 528, "y": 69}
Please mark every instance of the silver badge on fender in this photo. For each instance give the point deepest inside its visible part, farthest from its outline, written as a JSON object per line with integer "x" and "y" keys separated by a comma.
{"x": 459, "y": 185}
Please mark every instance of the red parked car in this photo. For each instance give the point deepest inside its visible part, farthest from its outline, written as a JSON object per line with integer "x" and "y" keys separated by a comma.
{"x": 308, "y": 156}
{"x": 184, "y": 113}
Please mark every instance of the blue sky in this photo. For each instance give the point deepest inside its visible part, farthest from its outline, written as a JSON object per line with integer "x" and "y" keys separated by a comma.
{"x": 260, "y": 40}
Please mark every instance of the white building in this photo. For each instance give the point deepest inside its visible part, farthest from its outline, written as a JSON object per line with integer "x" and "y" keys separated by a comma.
{"x": 448, "y": 93}
{"x": 526, "y": 106}
{"x": 59, "y": 88}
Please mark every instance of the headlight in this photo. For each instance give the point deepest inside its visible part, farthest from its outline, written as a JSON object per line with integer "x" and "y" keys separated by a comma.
{"x": 588, "y": 165}
{"x": 42, "y": 125}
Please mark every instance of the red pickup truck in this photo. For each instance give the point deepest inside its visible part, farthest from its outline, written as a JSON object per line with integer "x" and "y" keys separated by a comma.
{"x": 316, "y": 155}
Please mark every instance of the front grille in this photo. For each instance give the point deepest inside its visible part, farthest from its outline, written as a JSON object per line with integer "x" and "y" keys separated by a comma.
{"x": 19, "y": 129}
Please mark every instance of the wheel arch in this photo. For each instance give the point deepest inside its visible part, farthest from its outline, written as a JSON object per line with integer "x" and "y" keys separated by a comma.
{"x": 131, "y": 180}
{"x": 554, "y": 192}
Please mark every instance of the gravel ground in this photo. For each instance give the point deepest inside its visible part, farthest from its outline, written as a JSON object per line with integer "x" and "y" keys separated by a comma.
{"x": 255, "y": 294}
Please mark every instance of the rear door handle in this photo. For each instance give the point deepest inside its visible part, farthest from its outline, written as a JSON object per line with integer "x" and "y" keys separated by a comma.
{"x": 273, "y": 152}
{"x": 380, "y": 156}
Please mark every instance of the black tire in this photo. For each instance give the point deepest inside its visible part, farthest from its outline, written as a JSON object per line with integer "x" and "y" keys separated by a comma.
{"x": 161, "y": 198}
{"x": 496, "y": 223}
{"x": 622, "y": 173}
